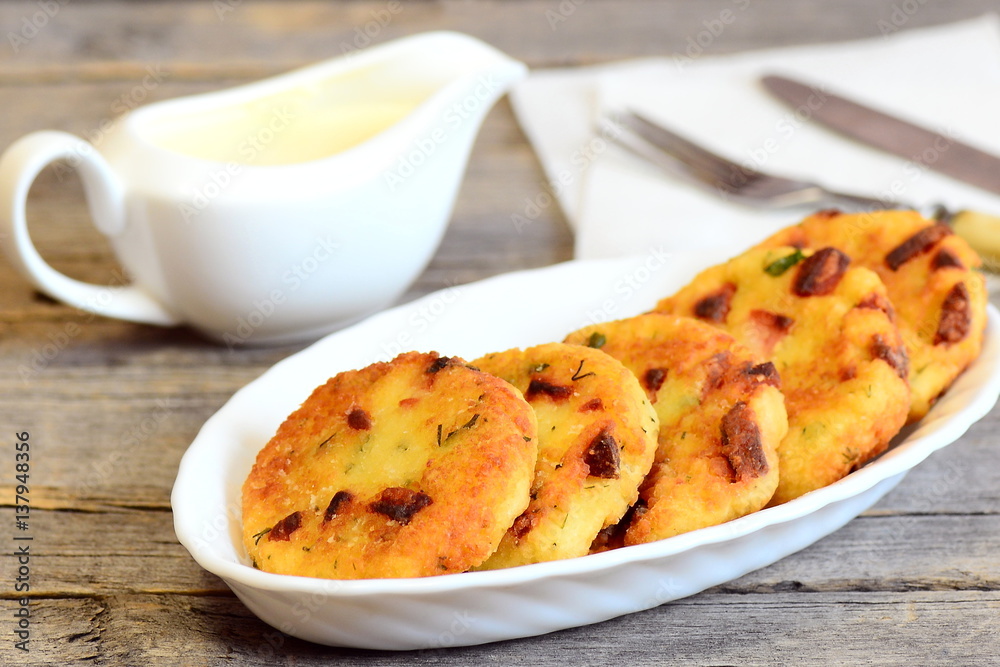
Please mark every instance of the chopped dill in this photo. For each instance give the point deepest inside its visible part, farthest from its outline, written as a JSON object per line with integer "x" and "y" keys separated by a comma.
{"x": 577, "y": 376}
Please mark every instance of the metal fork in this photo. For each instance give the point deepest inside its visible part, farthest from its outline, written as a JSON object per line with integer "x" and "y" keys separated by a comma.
{"x": 752, "y": 186}
{"x": 729, "y": 179}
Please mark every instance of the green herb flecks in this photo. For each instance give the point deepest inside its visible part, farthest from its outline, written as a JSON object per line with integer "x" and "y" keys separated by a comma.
{"x": 779, "y": 266}
{"x": 256, "y": 538}
{"x": 597, "y": 340}
{"x": 464, "y": 427}
{"x": 579, "y": 369}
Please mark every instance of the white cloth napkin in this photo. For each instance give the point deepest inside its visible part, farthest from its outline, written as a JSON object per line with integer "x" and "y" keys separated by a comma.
{"x": 945, "y": 78}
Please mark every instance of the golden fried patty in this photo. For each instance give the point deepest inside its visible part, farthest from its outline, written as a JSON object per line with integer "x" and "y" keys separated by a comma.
{"x": 596, "y": 440}
{"x": 409, "y": 468}
{"x": 841, "y": 359}
{"x": 721, "y": 418}
{"x": 930, "y": 278}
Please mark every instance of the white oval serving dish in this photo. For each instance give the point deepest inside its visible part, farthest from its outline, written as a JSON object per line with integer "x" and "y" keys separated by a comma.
{"x": 516, "y": 309}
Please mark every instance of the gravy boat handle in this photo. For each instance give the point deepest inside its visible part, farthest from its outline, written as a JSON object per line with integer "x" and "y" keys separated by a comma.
{"x": 19, "y": 167}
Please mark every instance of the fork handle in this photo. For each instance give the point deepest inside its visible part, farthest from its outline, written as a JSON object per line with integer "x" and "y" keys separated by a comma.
{"x": 868, "y": 203}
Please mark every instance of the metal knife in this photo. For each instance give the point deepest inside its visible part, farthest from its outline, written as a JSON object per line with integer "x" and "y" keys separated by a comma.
{"x": 920, "y": 145}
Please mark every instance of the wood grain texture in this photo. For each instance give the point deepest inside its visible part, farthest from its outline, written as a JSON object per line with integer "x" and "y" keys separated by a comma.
{"x": 111, "y": 406}
{"x": 196, "y": 35}
{"x": 710, "y": 629}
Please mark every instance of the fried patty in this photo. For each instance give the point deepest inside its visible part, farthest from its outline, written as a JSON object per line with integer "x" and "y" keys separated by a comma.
{"x": 931, "y": 280}
{"x": 824, "y": 324}
{"x": 596, "y": 440}
{"x": 721, "y": 418}
{"x": 407, "y": 468}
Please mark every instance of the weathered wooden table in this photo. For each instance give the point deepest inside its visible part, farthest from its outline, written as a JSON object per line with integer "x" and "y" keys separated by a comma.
{"x": 110, "y": 407}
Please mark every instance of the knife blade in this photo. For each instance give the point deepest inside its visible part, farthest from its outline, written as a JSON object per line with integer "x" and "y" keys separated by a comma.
{"x": 907, "y": 140}
{"x": 902, "y": 138}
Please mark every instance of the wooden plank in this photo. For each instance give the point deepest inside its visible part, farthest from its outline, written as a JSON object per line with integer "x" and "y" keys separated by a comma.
{"x": 888, "y": 554}
{"x": 107, "y": 547}
{"x": 155, "y": 397}
{"x": 717, "y": 629}
{"x": 105, "y": 480}
{"x": 542, "y": 32}
{"x": 150, "y": 413}
{"x": 112, "y": 406}
{"x": 960, "y": 479}
{"x": 85, "y": 553}
{"x": 62, "y": 631}
{"x": 814, "y": 629}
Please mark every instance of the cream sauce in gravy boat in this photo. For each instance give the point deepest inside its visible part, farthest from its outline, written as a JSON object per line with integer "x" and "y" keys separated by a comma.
{"x": 278, "y": 210}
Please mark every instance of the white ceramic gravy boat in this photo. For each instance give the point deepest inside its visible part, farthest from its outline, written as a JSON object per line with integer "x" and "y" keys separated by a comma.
{"x": 278, "y": 210}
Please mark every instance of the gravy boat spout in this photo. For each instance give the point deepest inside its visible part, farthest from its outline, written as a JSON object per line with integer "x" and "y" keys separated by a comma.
{"x": 285, "y": 208}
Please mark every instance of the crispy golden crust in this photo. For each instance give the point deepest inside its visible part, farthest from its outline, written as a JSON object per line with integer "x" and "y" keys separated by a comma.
{"x": 596, "y": 440}
{"x": 938, "y": 297}
{"x": 841, "y": 359}
{"x": 409, "y": 468}
{"x": 721, "y": 418}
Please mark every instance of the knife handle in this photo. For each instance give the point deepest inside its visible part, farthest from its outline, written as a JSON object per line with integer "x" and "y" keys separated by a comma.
{"x": 982, "y": 232}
